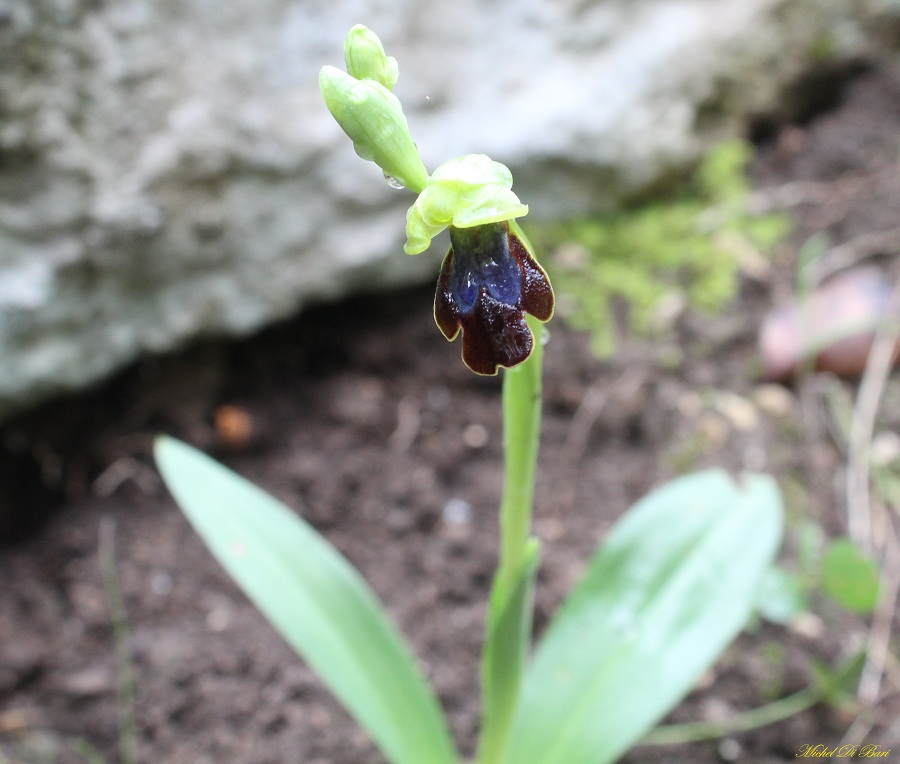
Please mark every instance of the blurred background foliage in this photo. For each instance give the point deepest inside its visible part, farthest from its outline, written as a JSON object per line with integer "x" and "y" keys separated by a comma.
{"x": 685, "y": 246}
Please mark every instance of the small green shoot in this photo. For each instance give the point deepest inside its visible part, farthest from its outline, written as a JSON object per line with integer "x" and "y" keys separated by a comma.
{"x": 849, "y": 577}
{"x": 830, "y": 686}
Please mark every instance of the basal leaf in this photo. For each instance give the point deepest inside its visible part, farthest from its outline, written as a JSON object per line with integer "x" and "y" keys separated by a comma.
{"x": 675, "y": 581}
{"x": 315, "y": 599}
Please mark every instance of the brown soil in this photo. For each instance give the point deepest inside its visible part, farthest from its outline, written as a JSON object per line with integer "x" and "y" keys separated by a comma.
{"x": 366, "y": 422}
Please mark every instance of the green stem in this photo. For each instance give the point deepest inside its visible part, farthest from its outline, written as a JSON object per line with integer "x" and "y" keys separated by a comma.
{"x": 675, "y": 734}
{"x": 510, "y": 610}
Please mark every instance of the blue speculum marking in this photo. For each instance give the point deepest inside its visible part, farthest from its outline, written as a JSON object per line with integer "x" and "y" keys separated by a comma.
{"x": 488, "y": 281}
{"x": 482, "y": 259}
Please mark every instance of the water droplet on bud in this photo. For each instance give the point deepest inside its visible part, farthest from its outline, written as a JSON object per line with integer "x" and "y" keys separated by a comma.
{"x": 393, "y": 182}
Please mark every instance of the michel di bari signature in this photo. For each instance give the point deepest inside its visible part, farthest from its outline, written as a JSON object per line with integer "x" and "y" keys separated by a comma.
{"x": 843, "y": 752}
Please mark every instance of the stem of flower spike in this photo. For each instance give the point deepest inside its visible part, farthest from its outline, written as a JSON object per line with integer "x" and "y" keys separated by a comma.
{"x": 509, "y": 617}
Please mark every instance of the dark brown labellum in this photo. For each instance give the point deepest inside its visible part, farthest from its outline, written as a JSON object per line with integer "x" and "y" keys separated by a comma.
{"x": 489, "y": 280}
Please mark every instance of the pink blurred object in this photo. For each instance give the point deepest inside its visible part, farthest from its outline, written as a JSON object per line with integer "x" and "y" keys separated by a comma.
{"x": 832, "y": 329}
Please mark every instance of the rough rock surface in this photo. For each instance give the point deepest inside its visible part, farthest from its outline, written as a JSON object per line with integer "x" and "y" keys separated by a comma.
{"x": 167, "y": 169}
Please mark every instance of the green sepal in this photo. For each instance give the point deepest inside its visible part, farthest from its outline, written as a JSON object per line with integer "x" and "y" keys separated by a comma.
{"x": 469, "y": 191}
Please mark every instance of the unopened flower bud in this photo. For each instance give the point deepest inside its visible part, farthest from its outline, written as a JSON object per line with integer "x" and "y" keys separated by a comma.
{"x": 373, "y": 118}
{"x": 366, "y": 60}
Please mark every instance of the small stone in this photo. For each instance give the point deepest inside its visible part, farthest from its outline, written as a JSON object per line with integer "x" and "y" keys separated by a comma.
{"x": 457, "y": 512}
{"x": 161, "y": 583}
{"x": 730, "y": 749}
{"x": 740, "y": 412}
{"x": 713, "y": 428}
{"x": 774, "y": 400}
{"x": 89, "y": 682}
{"x": 807, "y": 625}
{"x": 219, "y": 618}
{"x": 234, "y": 426}
{"x": 475, "y": 436}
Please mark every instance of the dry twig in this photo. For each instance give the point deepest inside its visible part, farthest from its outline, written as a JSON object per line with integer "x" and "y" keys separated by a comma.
{"x": 860, "y": 509}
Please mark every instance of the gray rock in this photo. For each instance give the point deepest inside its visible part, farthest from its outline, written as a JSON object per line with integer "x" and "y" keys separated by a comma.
{"x": 168, "y": 170}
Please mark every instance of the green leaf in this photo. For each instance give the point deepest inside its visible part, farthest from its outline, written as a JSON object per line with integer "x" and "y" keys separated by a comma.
{"x": 315, "y": 599}
{"x": 675, "y": 581}
{"x": 849, "y": 577}
{"x": 838, "y": 685}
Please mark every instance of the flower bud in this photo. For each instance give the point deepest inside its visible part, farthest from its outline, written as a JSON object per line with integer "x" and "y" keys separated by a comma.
{"x": 373, "y": 119}
{"x": 366, "y": 60}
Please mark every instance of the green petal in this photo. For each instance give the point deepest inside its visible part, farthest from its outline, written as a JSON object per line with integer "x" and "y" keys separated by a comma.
{"x": 488, "y": 204}
{"x": 418, "y": 233}
{"x": 469, "y": 191}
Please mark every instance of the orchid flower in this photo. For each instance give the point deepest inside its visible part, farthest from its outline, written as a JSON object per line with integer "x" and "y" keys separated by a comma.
{"x": 490, "y": 278}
